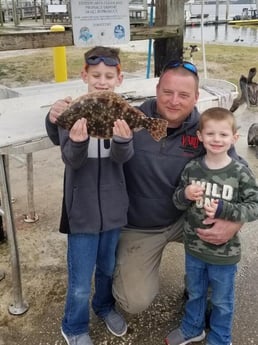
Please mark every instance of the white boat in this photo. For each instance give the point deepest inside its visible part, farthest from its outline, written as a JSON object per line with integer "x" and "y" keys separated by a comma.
{"x": 188, "y": 12}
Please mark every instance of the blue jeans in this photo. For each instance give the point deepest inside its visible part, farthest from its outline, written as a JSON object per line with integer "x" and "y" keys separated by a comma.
{"x": 85, "y": 253}
{"x": 220, "y": 278}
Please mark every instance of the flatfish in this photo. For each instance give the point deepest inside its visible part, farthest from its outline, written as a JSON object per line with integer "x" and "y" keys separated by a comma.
{"x": 102, "y": 109}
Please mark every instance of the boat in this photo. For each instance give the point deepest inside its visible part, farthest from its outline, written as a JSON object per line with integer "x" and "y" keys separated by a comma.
{"x": 248, "y": 17}
{"x": 199, "y": 16}
{"x": 188, "y": 12}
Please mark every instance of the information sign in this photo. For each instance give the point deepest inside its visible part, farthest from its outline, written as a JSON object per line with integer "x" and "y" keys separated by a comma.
{"x": 100, "y": 22}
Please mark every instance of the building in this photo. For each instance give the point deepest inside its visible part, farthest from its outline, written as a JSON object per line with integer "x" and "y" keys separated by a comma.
{"x": 138, "y": 12}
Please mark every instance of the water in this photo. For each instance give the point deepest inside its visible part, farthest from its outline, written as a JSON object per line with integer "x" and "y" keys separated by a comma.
{"x": 222, "y": 33}
{"x": 211, "y": 9}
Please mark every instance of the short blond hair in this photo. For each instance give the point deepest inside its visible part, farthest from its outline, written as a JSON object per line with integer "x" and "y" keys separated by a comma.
{"x": 218, "y": 114}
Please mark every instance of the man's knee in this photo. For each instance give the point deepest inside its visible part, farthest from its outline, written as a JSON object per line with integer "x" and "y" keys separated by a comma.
{"x": 136, "y": 283}
{"x": 133, "y": 295}
{"x": 133, "y": 303}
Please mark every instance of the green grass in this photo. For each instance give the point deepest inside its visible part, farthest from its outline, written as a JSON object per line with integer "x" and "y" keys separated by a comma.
{"x": 222, "y": 61}
{"x": 227, "y": 62}
{"x": 37, "y": 66}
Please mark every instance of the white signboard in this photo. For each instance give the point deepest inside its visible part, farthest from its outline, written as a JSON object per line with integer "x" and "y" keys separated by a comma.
{"x": 100, "y": 22}
{"x": 56, "y": 8}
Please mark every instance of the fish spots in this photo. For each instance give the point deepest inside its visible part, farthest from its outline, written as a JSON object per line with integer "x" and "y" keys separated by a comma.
{"x": 102, "y": 109}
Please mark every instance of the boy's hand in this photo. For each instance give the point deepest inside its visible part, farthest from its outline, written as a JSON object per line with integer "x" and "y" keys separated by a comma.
{"x": 121, "y": 129}
{"x": 194, "y": 192}
{"x": 211, "y": 209}
{"x": 58, "y": 107}
{"x": 78, "y": 132}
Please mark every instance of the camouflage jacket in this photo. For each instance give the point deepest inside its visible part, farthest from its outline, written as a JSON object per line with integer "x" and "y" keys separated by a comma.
{"x": 236, "y": 186}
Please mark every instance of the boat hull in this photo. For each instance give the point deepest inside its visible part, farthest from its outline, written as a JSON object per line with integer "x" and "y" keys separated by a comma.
{"x": 244, "y": 22}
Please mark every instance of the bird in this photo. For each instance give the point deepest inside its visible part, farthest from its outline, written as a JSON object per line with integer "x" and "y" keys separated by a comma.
{"x": 193, "y": 49}
{"x": 249, "y": 92}
{"x": 252, "y": 137}
{"x": 249, "y": 96}
{"x": 240, "y": 103}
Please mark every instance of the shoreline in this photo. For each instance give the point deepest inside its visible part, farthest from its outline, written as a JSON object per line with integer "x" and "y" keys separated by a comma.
{"x": 139, "y": 46}
{"x": 20, "y": 68}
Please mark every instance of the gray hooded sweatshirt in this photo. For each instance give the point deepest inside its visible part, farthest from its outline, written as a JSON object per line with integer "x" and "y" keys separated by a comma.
{"x": 95, "y": 197}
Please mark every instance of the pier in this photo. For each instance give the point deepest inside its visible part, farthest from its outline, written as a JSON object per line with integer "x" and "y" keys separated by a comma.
{"x": 198, "y": 22}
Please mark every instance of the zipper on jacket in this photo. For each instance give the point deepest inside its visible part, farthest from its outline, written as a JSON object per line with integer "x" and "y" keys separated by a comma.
{"x": 99, "y": 177}
{"x": 163, "y": 143}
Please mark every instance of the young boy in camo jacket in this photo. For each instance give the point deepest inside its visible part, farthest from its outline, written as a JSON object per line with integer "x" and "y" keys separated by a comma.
{"x": 213, "y": 186}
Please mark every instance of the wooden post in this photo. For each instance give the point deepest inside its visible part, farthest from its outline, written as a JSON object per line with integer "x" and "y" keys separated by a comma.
{"x": 217, "y": 12}
{"x": 43, "y": 11}
{"x": 1, "y": 14}
{"x": 15, "y": 15}
{"x": 168, "y": 12}
{"x": 35, "y": 5}
{"x": 227, "y": 9}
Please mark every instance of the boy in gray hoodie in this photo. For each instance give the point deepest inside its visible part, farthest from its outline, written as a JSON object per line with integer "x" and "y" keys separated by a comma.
{"x": 95, "y": 203}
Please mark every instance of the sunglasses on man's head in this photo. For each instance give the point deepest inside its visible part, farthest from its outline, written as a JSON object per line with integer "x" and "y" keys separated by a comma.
{"x": 108, "y": 61}
{"x": 185, "y": 64}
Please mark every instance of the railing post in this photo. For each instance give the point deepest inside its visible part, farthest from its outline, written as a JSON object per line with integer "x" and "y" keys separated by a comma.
{"x": 19, "y": 305}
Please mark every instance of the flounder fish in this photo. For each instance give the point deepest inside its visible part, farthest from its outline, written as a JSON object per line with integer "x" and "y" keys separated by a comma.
{"x": 102, "y": 109}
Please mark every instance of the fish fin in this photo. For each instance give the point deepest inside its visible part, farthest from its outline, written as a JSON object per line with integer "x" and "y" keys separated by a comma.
{"x": 157, "y": 128}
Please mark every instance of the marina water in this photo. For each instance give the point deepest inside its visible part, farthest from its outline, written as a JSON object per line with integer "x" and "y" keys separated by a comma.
{"x": 222, "y": 33}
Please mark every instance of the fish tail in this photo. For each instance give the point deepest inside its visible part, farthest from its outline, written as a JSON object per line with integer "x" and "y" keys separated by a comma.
{"x": 157, "y": 128}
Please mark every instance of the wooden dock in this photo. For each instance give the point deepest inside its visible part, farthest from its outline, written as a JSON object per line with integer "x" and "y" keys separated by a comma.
{"x": 197, "y": 22}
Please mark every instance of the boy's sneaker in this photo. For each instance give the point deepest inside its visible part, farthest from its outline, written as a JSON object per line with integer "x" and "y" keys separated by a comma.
{"x": 115, "y": 323}
{"x": 81, "y": 339}
{"x": 176, "y": 337}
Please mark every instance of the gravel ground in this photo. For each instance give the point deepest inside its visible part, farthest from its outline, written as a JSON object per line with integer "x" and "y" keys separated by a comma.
{"x": 42, "y": 257}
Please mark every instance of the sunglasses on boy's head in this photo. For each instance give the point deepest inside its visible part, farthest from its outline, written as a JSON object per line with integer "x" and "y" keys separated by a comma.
{"x": 108, "y": 61}
{"x": 185, "y": 64}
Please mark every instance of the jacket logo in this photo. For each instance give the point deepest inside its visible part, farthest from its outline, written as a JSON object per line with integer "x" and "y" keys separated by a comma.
{"x": 190, "y": 141}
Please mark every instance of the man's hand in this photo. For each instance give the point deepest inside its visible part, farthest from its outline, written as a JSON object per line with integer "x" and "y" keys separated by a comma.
{"x": 58, "y": 107}
{"x": 221, "y": 231}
